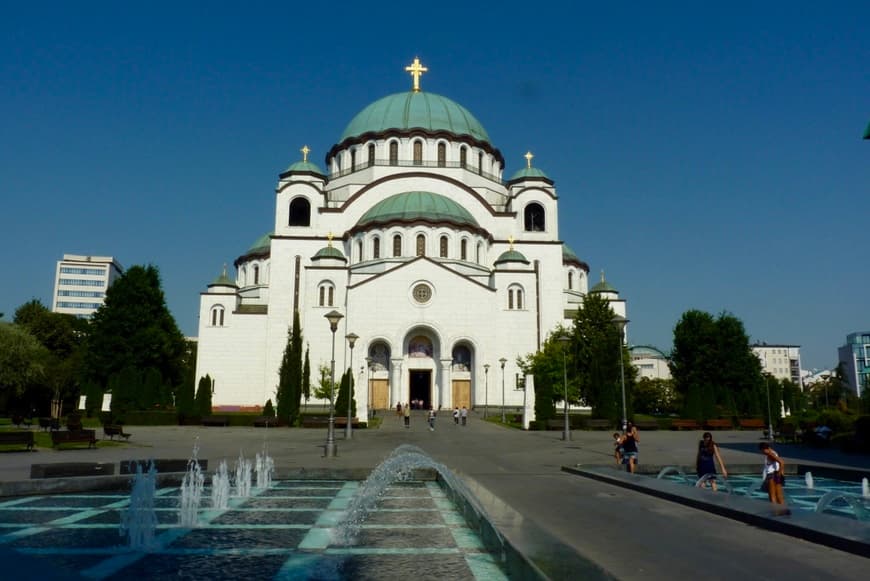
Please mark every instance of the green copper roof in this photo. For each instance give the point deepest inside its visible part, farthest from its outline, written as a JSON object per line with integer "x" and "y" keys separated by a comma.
{"x": 867, "y": 132}
{"x": 304, "y": 166}
{"x": 223, "y": 280}
{"x": 511, "y": 256}
{"x": 263, "y": 243}
{"x": 603, "y": 287}
{"x": 529, "y": 172}
{"x": 415, "y": 110}
{"x": 569, "y": 255}
{"x": 330, "y": 252}
{"x": 417, "y": 205}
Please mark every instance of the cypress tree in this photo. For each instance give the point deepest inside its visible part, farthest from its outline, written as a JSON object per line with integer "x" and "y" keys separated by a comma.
{"x": 289, "y": 393}
{"x": 203, "y": 396}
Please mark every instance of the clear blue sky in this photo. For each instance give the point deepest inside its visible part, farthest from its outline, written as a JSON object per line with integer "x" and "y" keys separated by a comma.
{"x": 706, "y": 156}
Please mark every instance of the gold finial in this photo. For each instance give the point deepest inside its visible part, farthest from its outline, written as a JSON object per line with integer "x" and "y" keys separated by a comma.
{"x": 225, "y": 268}
{"x": 528, "y": 157}
{"x": 305, "y": 151}
{"x": 602, "y": 275}
{"x": 511, "y": 241}
{"x": 329, "y": 237}
{"x": 416, "y": 69}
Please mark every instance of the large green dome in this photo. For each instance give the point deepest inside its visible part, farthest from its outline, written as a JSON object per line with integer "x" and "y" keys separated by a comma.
{"x": 415, "y": 110}
{"x": 411, "y": 206}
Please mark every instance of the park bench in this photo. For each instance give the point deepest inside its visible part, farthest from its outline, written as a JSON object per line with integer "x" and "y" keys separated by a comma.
{"x": 597, "y": 424}
{"x": 722, "y": 424}
{"x": 265, "y": 422}
{"x": 112, "y": 430}
{"x": 752, "y": 424}
{"x": 646, "y": 425}
{"x": 66, "y": 437}
{"x": 216, "y": 421}
{"x": 49, "y": 424}
{"x": 74, "y": 424}
{"x": 787, "y": 433}
{"x": 12, "y": 438}
{"x": 18, "y": 420}
{"x": 685, "y": 425}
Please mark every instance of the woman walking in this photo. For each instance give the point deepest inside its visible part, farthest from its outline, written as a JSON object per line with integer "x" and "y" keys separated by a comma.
{"x": 708, "y": 455}
{"x": 774, "y": 474}
{"x": 629, "y": 447}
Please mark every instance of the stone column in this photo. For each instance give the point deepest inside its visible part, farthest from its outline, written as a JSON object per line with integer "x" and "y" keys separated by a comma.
{"x": 396, "y": 382}
{"x": 446, "y": 399}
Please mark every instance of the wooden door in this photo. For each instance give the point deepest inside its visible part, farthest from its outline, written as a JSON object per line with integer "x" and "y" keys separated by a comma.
{"x": 462, "y": 393}
{"x": 380, "y": 394}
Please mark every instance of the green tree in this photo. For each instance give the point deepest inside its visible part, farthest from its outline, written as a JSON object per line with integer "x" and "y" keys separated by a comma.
{"x": 738, "y": 382}
{"x": 596, "y": 345}
{"x": 345, "y": 390}
{"x": 203, "y": 396}
{"x": 323, "y": 389}
{"x": 22, "y": 362}
{"x": 289, "y": 394}
{"x": 306, "y": 377}
{"x": 548, "y": 367}
{"x": 134, "y": 328}
{"x": 693, "y": 362}
{"x": 185, "y": 393}
{"x": 654, "y": 396}
{"x": 268, "y": 409}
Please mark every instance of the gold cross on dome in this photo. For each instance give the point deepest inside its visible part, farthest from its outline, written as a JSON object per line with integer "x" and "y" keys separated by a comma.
{"x": 511, "y": 241}
{"x": 329, "y": 237}
{"x": 305, "y": 151}
{"x": 416, "y": 69}
{"x": 528, "y": 157}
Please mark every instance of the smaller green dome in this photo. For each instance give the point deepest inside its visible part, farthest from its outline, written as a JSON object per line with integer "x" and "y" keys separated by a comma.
{"x": 410, "y": 206}
{"x": 511, "y": 256}
{"x": 223, "y": 280}
{"x": 603, "y": 286}
{"x": 529, "y": 172}
{"x": 304, "y": 167}
{"x": 263, "y": 243}
{"x": 569, "y": 255}
{"x": 329, "y": 252}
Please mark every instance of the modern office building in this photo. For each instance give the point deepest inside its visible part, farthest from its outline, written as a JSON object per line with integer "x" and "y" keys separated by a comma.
{"x": 80, "y": 283}
{"x": 855, "y": 358}
{"x": 443, "y": 270}
{"x": 780, "y": 361}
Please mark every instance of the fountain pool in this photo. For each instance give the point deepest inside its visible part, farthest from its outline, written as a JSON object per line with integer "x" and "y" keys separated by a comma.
{"x": 282, "y": 532}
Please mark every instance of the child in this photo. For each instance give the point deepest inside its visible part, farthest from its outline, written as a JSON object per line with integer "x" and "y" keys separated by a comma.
{"x": 774, "y": 474}
{"x": 617, "y": 447}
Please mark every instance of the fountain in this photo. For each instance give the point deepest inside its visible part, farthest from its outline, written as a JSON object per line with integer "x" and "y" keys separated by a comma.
{"x": 808, "y": 477}
{"x": 191, "y": 490}
{"x": 834, "y": 497}
{"x": 139, "y": 521}
{"x": 865, "y": 488}
{"x": 220, "y": 487}
{"x": 673, "y": 470}
{"x": 264, "y": 466}
{"x": 243, "y": 476}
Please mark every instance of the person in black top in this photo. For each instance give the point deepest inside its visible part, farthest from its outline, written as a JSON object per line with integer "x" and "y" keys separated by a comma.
{"x": 629, "y": 447}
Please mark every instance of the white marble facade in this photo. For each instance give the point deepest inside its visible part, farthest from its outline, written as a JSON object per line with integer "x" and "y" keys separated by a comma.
{"x": 437, "y": 263}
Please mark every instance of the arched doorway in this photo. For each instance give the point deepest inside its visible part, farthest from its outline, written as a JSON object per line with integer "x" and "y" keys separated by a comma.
{"x": 460, "y": 374}
{"x": 423, "y": 377}
{"x": 379, "y": 375}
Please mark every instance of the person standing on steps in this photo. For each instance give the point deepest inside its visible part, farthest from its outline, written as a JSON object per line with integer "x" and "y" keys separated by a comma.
{"x": 456, "y": 416}
{"x": 407, "y": 416}
{"x": 431, "y": 419}
{"x": 464, "y": 415}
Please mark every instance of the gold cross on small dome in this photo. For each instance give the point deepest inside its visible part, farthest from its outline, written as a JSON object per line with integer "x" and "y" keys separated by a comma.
{"x": 511, "y": 241}
{"x": 416, "y": 69}
{"x": 329, "y": 238}
{"x": 528, "y": 157}
{"x": 305, "y": 151}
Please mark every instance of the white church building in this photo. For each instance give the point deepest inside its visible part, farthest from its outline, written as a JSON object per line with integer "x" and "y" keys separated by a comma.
{"x": 437, "y": 263}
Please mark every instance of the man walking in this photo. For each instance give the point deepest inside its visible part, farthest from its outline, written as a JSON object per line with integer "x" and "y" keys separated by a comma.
{"x": 464, "y": 415}
{"x": 407, "y": 416}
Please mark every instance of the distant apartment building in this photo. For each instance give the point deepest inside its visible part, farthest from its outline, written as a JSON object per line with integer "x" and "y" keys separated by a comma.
{"x": 649, "y": 362}
{"x": 780, "y": 361}
{"x": 855, "y": 358}
{"x": 80, "y": 283}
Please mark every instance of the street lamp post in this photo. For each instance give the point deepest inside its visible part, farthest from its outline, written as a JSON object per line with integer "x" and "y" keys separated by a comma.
{"x": 369, "y": 385}
{"x": 769, "y": 417}
{"x": 566, "y": 426}
{"x": 502, "y": 361}
{"x": 331, "y": 451}
{"x": 620, "y": 323}
{"x": 485, "y": 389}
{"x": 348, "y": 430}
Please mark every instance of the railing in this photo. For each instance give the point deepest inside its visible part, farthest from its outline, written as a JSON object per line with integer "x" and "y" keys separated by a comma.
{"x": 422, "y": 164}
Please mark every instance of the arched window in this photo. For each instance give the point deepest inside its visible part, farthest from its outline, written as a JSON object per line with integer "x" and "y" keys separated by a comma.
{"x": 397, "y": 245}
{"x": 461, "y": 358}
{"x": 371, "y": 154}
{"x": 394, "y": 153}
{"x": 463, "y": 249}
{"x": 463, "y": 156}
{"x": 515, "y": 297}
{"x": 376, "y": 248}
{"x": 418, "y": 153}
{"x": 256, "y": 274}
{"x": 570, "y": 280}
{"x": 480, "y": 163}
{"x": 442, "y": 155}
{"x": 443, "y": 246}
{"x": 352, "y": 159}
{"x": 300, "y": 212}
{"x": 421, "y": 245}
{"x": 359, "y": 250}
{"x": 534, "y": 218}
{"x": 217, "y": 316}
{"x": 326, "y": 294}
{"x": 479, "y": 252}
{"x": 243, "y": 275}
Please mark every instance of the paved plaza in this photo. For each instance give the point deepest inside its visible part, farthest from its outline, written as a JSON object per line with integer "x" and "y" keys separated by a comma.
{"x": 627, "y": 534}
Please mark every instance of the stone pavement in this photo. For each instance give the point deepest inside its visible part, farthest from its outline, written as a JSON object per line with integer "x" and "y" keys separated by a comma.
{"x": 628, "y": 534}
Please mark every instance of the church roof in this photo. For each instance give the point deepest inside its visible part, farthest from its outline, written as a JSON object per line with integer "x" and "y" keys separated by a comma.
{"x": 603, "y": 286}
{"x": 304, "y": 166}
{"x": 410, "y": 206}
{"x": 529, "y": 172}
{"x": 329, "y": 252}
{"x": 263, "y": 243}
{"x": 223, "y": 280}
{"x": 511, "y": 256}
{"x": 415, "y": 110}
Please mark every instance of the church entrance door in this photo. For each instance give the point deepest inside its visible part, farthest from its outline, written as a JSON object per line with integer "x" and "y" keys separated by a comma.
{"x": 420, "y": 387}
{"x": 462, "y": 393}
